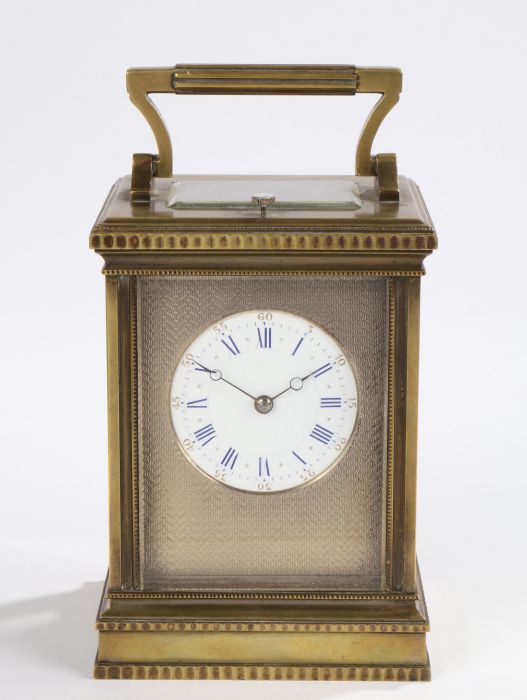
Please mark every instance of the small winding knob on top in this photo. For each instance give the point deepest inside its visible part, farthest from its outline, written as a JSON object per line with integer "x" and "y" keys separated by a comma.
{"x": 263, "y": 200}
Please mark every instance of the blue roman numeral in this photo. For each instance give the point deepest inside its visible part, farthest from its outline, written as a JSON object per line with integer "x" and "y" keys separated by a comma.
{"x": 321, "y": 434}
{"x": 263, "y": 466}
{"x": 231, "y": 345}
{"x": 331, "y": 402}
{"x": 299, "y": 457}
{"x": 229, "y": 458}
{"x": 205, "y": 434}
{"x": 298, "y": 345}
{"x": 197, "y": 403}
{"x": 264, "y": 337}
{"x": 322, "y": 370}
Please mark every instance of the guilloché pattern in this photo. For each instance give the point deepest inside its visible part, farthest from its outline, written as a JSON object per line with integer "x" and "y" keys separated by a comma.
{"x": 264, "y": 401}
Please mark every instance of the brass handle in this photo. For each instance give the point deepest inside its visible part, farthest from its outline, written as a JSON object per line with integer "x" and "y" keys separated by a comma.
{"x": 264, "y": 80}
{"x": 268, "y": 80}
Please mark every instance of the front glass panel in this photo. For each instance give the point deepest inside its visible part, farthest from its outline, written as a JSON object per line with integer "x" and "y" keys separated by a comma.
{"x": 197, "y": 532}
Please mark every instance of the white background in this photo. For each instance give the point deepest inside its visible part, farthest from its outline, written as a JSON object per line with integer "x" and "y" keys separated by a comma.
{"x": 68, "y": 131}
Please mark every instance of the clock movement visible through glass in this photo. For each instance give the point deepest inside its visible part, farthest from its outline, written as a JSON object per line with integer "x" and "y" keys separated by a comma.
{"x": 264, "y": 401}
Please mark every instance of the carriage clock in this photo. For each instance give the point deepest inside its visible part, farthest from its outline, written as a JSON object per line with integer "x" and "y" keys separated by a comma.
{"x": 262, "y": 339}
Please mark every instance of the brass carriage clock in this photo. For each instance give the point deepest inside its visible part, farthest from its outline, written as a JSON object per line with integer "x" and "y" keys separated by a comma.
{"x": 262, "y": 395}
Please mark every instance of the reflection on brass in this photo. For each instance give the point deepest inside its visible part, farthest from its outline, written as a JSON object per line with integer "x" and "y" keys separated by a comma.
{"x": 263, "y": 648}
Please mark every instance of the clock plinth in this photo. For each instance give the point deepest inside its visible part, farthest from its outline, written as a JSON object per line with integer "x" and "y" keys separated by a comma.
{"x": 361, "y": 639}
{"x": 262, "y": 408}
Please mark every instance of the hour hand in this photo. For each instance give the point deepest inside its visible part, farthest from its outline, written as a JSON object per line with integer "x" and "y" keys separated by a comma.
{"x": 298, "y": 382}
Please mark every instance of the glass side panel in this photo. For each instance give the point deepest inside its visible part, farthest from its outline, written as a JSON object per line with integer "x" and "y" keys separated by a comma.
{"x": 287, "y": 193}
{"x": 198, "y": 533}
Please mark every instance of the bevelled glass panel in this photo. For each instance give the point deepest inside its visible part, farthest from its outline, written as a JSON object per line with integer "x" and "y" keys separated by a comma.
{"x": 305, "y": 193}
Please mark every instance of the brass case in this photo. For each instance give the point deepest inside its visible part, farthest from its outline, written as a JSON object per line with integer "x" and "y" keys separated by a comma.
{"x": 241, "y": 633}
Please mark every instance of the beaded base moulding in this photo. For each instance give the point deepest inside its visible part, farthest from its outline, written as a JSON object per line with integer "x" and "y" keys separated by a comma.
{"x": 149, "y": 638}
{"x": 262, "y": 673}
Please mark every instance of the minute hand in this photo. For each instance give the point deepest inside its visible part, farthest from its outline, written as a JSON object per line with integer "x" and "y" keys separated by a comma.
{"x": 216, "y": 372}
{"x": 303, "y": 379}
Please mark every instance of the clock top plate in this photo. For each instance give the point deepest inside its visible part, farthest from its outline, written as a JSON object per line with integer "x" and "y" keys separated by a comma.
{"x": 329, "y": 200}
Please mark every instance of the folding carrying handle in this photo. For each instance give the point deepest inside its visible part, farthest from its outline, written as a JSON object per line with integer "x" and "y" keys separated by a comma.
{"x": 264, "y": 80}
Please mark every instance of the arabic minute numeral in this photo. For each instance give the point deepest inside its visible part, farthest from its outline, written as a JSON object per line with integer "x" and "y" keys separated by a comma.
{"x": 189, "y": 359}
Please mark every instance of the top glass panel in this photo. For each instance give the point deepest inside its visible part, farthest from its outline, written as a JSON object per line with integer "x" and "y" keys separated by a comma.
{"x": 305, "y": 193}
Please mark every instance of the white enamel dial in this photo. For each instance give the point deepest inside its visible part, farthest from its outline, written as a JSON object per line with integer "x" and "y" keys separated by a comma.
{"x": 264, "y": 401}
